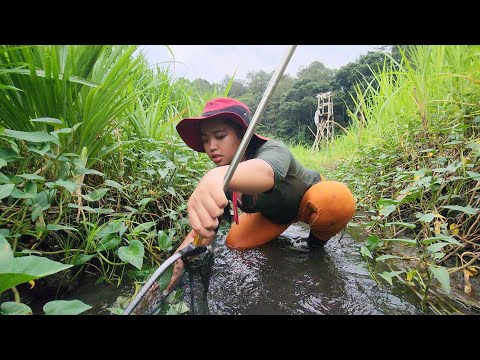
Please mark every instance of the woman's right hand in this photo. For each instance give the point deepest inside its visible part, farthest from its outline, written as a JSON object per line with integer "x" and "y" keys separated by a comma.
{"x": 207, "y": 202}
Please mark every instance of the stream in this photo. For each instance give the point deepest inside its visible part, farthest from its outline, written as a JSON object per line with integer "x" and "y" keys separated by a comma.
{"x": 282, "y": 277}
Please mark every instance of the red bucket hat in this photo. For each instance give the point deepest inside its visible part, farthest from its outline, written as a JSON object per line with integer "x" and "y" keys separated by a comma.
{"x": 225, "y": 108}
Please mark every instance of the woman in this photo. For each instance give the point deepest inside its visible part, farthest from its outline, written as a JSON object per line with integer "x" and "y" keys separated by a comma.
{"x": 273, "y": 189}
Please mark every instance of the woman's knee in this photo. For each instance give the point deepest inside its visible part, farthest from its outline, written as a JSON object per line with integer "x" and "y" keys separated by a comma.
{"x": 327, "y": 207}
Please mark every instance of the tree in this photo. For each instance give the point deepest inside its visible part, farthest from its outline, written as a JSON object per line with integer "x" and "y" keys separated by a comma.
{"x": 202, "y": 85}
{"x": 316, "y": 71}
{"x": 359, "y": 72}
{"x": 237, "y": 88}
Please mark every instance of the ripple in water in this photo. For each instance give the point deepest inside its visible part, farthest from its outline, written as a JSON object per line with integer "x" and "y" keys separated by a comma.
{"x": 285, "y": 277}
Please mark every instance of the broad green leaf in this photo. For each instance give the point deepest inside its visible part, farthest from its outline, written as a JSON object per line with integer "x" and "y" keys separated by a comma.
{"x": 6, "y": 255}
{"x": 164, "y": 241}
{"x": 9, "y": 155}
{"x": 31, "y": 188}
{"x": 386, "y": 257}
{"x": 387, "y": 210}
{"x": 116, "y": 310}
{"x": 29, "y": 268}
{"x": 114, "y": 184}
{"x": 425, "y": 217}
{"x": 384, "y": 202}
{"x": 65, "y": 307}
{"x": 19, "y": 194}
{"x": 2, "y": 163}
{"x": 133, "y": 253}
{"x": 4, "y": 179}
{"x": 32, "y": 177}
{"x": 371, "y": 240}
{"x": 36, "y": 212}
{"x": 61, "y": 131}
{"x": 442, "y": 237}
{"x": 111, "y": 227}
{"x": 82, "y": 259}
{"x": 33, "y": 136}
{"x": 90, "y": 171}
{"x": 162, "y": 173}
{"x": 60, "y": 227}
{"x": 389, "y": 275}
{"x": 13, "y": 308}
{"x": 43, "y": 199}
{"x": 175, "y": 296}
{"x": 441, "y": 274}
{"x": 364, "y": 250}
{"x": 465, "y": 209}
{"x": 42, "y": 150}
{"x": 6, "y": 190}
{"x": 69, "y": 185}
{"x": 96, "y": 194}
{"x": 436, "y": 247}
{"x": 149, "y": 171}
{"x": 144, "y": 201}
{"x": 111, "y": 241}
{"x": 474, "y": 175}
{"x": 142, "y": 227}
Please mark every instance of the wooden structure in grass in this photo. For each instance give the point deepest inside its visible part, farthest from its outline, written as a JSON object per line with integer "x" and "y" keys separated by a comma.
{"x": 323, "y": 118}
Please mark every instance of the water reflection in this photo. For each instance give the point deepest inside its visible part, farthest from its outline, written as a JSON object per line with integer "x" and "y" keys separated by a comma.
{"x": 282, "y": 277}
{"x": 285, "y": 277}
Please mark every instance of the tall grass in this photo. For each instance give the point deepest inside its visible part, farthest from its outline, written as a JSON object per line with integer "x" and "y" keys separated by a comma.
{"x": 76, "y": 90}
{"x": 431, "y": 84}
{"x": 163, "y": 101}
{"x": 411, "y": 159}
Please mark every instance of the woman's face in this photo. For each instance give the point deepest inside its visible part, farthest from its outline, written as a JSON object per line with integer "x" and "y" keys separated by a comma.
{"x": 220, "y": 140}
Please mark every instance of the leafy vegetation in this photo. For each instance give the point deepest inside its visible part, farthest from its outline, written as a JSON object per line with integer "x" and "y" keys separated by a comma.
{"x": 94, "y": 179}
{"x": 415, "y": 171}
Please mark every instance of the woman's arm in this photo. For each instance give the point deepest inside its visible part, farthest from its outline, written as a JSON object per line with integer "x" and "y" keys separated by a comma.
{"x": 208, "y": 200}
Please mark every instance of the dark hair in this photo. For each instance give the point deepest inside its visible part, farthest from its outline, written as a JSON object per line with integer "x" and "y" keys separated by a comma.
{"x": 240, "y": 131}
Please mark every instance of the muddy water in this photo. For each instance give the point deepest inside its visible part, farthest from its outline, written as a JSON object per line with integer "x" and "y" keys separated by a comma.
{"x": 281, "y": 277}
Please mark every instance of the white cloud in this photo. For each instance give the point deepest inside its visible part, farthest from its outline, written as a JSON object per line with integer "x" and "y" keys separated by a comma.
{"x": 213, "y": 62}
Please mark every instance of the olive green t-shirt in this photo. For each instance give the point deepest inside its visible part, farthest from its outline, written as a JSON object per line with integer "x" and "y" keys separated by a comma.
{"x": 292, "y": 179}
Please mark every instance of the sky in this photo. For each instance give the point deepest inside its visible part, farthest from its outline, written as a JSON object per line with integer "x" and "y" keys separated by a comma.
{"x": 213, "y": 62}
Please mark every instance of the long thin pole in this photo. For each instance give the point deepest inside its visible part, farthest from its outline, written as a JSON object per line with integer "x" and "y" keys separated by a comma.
{"x": 256, "y": 117}
{"x": 228, "y": 176}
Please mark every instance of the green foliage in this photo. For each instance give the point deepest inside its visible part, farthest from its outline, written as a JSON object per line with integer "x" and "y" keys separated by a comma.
{"x": 414, "y": 166}
{"x": 63, "y": 307}
{"x": 81, "y": 89}
{"x": 19, "y": 270}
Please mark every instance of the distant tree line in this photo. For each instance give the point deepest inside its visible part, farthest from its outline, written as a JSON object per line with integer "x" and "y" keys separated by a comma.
{"x": 291, "y": 109}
